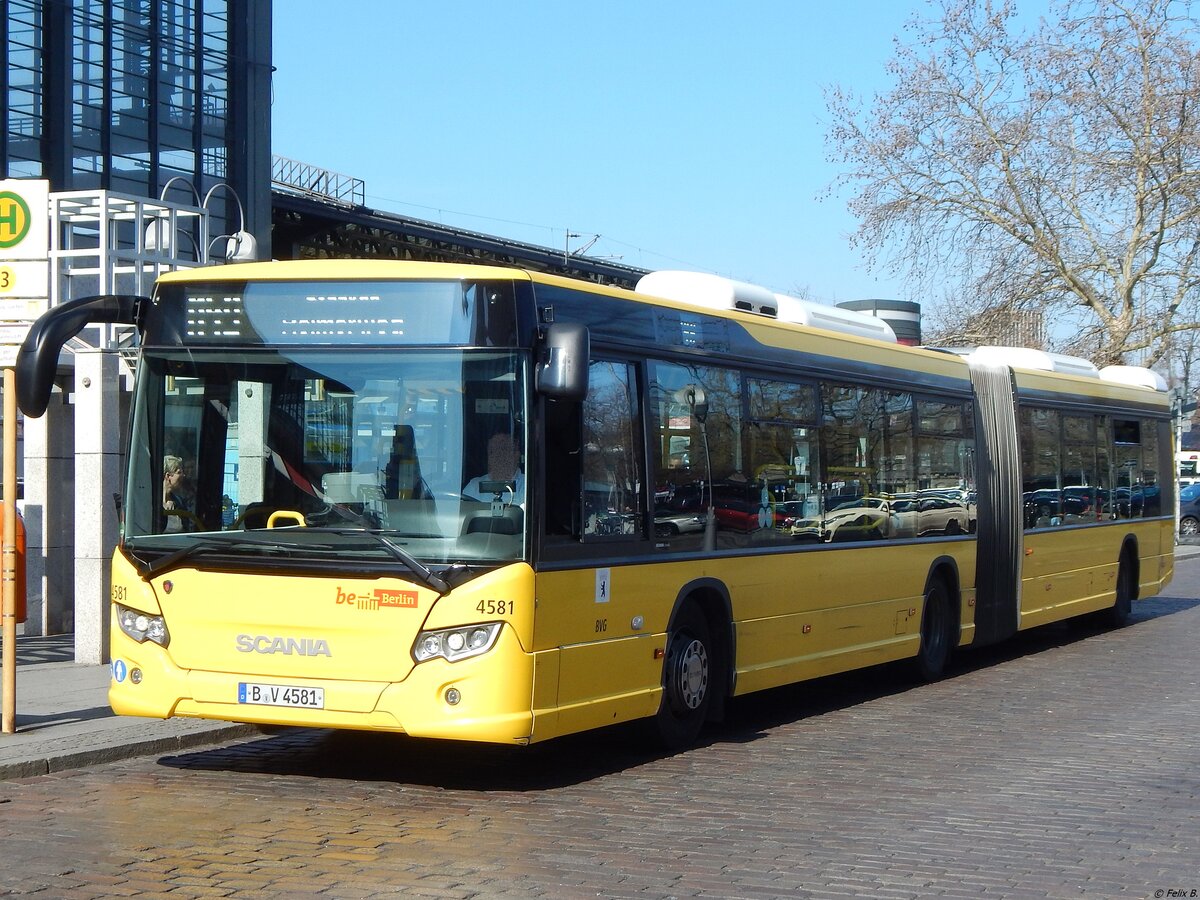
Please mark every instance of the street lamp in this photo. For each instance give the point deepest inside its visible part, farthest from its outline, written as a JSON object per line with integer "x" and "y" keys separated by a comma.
{"x": 158, "y": 239}
{"x": 162, "y": 195}
{"x": 241, "y": 245}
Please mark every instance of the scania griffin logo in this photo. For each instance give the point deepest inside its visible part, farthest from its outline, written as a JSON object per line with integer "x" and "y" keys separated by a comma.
{"x": 288, "y": 646}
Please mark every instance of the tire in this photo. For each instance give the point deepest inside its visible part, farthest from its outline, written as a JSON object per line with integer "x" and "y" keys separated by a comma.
{"x": 1117, "y": 615}
{"x": 937, "y": 633}
{"x": 1189, "y": 525}
{"x": 688, "y": 680}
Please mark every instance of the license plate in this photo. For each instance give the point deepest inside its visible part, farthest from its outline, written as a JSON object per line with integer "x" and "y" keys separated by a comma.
{"x": 281, "y": 695}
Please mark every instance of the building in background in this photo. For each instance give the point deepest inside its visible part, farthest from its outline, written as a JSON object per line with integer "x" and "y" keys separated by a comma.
{"x": 124, "y": 95}
{"x": 118, "y": 104}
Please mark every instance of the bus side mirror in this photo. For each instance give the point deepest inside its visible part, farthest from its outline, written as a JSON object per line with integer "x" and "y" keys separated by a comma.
{"x": 37, "y": 360}
{"x": 562, "y": 371}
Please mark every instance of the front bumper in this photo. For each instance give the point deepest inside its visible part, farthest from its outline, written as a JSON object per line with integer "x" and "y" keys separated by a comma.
{"x": 494, "y": 694}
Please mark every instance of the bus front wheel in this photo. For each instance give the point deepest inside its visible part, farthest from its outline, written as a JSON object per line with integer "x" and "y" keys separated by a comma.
{"x": 687, "y": 680}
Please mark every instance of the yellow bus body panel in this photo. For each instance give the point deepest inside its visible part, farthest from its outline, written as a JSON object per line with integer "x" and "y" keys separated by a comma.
{"x": 368, "y": 675}
{"x": 575, "y": 665}
{"x": 843, "y": 608}
{"x": 1072, "y": 571}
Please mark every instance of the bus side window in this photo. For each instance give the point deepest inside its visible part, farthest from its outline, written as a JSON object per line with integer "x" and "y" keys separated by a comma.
{"x": 593, "y": 453}
{"x": 703, "y": 496}
{"x": 1104, "y": 468}
{"x": 1127, "y": 452}
{"x": 611, "y": 451}
{"x": 1151, "y": 492}
{"x": 1041, "y": 452}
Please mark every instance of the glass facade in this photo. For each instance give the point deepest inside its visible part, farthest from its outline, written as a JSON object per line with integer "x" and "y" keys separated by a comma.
{"x": 124, "y": 95}
{"x": 23, "y": 90}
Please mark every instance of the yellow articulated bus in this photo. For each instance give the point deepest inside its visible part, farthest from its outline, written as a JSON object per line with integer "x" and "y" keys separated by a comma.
{"x": 487, "y": 504}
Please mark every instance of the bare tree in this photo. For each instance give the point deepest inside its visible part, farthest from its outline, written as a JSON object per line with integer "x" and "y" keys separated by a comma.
{"x": 1056, "y": 167}
{"x": 1184, "y": 359}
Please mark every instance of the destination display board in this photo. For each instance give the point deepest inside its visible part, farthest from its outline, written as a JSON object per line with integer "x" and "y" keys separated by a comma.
{"x": 351, "y": 313}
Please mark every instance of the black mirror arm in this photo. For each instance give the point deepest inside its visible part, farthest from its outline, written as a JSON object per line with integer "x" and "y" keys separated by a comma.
{"x": 37, "y": 360}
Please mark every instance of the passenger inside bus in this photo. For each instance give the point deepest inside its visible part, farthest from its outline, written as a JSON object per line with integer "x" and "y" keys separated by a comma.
{"x": 175, "y": 494}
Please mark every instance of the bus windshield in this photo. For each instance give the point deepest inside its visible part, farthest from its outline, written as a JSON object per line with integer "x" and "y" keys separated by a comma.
{"x": 314, "y": 455}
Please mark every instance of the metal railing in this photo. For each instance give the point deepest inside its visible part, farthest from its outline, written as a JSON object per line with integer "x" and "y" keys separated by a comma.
{"x": 318, "y": 182}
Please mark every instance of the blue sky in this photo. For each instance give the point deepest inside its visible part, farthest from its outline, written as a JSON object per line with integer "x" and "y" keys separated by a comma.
{"x": 687, "y": 134}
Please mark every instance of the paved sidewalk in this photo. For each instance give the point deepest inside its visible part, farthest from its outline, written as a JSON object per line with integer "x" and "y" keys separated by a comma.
{"x": 64, "y": 722}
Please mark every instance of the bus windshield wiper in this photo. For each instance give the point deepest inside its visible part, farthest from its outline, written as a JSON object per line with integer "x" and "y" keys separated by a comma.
{"x": 172, "y": 560}
{"x": 422, "y": 572}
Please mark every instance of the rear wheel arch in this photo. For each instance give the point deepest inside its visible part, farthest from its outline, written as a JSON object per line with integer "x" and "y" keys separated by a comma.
{"x": 941, "y": 619}
{"x": 1128, "y": 578}
{"x": 1129, "y": 554}
{"x": 945, "y": 569}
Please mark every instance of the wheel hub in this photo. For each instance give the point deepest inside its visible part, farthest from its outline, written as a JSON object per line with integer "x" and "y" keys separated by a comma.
{"x": 693, "y": 674}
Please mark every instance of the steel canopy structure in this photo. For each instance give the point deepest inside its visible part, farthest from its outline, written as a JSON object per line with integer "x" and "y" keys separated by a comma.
{"x": 309, "y": 226}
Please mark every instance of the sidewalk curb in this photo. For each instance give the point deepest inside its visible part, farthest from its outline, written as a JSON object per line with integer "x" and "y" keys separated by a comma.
{"x": 47, "y": 764}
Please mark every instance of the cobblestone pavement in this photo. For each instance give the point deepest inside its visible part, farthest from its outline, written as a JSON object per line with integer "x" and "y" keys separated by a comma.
{"x": 1062, "y": 764}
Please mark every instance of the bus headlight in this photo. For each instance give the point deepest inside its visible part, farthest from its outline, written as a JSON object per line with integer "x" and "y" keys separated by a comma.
{"x": 142, "y": 626}
{"x": 453, "y": 644}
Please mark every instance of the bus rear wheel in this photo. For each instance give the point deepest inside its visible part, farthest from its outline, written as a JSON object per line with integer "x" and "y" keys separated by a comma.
{"x": 937, "y": 633}
{"x": 688, "y": 680}
{"x": 1118, "y": 614}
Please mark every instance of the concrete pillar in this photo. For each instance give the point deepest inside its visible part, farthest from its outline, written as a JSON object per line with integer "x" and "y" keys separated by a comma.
{"x": 97, "y": 478}
{"x": 49, "y": 466}
{"x": 35, "y": 447}
{"x": 252, "y": 452}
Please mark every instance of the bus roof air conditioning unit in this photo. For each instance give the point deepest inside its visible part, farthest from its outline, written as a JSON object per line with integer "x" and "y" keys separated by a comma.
{"x": 1027, "y": 358}
{"x": 1137, "y": 376}
{"x": 708, "y": 291}
{"x": 831, "y": 318}
{"x": 714, "y": 292}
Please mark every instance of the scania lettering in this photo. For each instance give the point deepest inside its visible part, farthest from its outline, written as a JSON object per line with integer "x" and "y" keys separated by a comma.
{"x": 287, "y": 646}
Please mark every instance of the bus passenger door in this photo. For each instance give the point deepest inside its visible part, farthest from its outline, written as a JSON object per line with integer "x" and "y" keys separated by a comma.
{"x": 595, "y": 513}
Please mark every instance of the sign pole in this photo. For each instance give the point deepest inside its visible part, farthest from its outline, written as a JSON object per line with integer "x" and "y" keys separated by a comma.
{"x": 9, "y": 724}
{"x": 24, "y": 295}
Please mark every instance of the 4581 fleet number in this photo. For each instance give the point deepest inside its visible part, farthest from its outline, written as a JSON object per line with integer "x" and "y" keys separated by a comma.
{"x": 496, "y": 607}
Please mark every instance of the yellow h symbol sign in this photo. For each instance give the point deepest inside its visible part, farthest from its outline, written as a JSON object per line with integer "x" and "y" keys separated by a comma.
{"x": 14, "y": 219}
